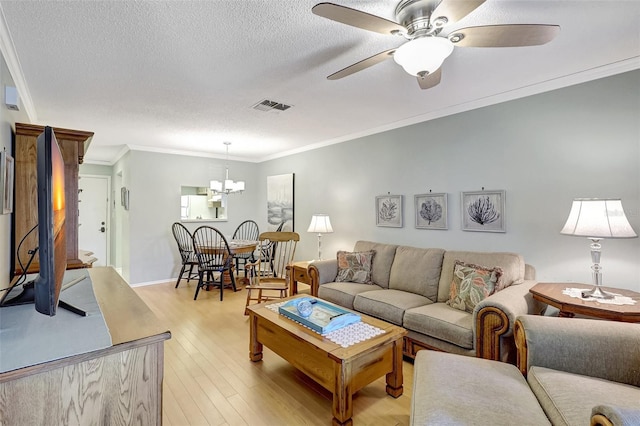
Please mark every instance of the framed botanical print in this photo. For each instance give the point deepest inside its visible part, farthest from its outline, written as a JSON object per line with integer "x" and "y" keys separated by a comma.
{"x": 431, "y": 211}
{"x": 389, "y": 211}
{"x": 483, "y": 211}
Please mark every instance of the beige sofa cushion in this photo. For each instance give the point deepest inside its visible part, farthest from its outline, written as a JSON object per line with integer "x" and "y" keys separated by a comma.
{"x": 460, "y": 390}
{"x": 512, "y": 265}
{"x": 382, "y": 260}
{"x": 569, "y": 398}
{"x": 388, "y": 304}
{"x": 343, "y": 293}
{"x": 417, "y": 271}
{"x": 442, "y": 322}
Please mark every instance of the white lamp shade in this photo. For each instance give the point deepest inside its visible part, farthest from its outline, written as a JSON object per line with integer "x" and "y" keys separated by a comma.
{"x": 598, "y": 218}
{"x": 215, "y": 185}
{"x": 320, "y": 223}
{"x": 423, "y": 54}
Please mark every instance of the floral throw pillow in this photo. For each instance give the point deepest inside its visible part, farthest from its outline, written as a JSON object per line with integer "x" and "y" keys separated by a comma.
{"x": 471, "y": 284}
{"x": 355, "y": 266}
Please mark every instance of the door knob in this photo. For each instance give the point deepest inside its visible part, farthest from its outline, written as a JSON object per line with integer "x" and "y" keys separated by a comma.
{"x": 102, "y": 229}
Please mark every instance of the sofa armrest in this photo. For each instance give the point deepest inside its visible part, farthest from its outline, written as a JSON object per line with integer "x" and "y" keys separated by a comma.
{"x": 322, "y": 272}
{"x": 608, "y": 350}
{"x": 495, "y": 316}
{"x": 611, "y": 415}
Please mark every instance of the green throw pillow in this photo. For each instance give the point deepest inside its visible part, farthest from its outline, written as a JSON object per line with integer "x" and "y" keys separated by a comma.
{"x": 471, "y": 284}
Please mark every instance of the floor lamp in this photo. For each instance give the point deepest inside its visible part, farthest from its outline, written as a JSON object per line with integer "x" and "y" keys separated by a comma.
{"x": 597, "y": 219}
{"x": 320, "y": 224}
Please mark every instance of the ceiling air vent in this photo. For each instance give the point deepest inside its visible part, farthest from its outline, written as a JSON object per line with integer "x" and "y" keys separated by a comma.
{"x": 267, "y": 105}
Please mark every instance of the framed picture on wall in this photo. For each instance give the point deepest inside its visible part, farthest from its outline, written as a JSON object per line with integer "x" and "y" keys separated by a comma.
{"x": 124, "y": 197}
{"x": 389, "y": 211}
{"x": 483, "y": 211}
{"x": 6, "y": 182}
{"x": 431, "y": 211}
{"x": 280, "y": 202}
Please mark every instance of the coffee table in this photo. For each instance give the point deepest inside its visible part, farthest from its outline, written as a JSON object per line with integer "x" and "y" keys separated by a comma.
{"x": 342, "y": 371}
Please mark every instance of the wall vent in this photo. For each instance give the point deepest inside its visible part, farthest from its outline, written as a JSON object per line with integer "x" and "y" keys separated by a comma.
{"x": 267, "y": 105}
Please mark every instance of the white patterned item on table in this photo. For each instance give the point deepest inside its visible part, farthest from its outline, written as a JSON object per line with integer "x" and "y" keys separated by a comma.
{"x": 618, "y": 299}
{"x": 345, "y": 336}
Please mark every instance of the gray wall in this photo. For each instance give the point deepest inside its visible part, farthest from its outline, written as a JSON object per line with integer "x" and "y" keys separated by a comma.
{"x": 154, "y": 180}
{"x": 544, "y": 150}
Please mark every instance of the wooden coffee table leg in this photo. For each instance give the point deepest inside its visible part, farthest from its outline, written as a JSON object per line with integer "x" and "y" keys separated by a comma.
{"x": 395, "y": 379}
{"x": 255, "y": 347}
{"x": 342, "y": 396}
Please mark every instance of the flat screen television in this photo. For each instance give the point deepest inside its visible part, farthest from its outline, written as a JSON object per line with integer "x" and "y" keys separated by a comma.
{"x": 44, "y": 290}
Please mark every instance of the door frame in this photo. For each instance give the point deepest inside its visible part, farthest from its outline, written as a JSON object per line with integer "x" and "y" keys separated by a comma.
{"x": 109, "y": 211}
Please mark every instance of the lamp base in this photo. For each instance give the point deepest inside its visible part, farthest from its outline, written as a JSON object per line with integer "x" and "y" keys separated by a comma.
{"x": 597, "y": 293}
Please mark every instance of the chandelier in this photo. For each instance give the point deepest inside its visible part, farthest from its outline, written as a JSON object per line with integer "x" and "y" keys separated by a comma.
{"x": 228, "y": 186}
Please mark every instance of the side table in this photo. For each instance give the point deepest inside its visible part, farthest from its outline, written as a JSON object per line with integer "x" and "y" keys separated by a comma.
{"x": 299, "y": 275}
{"x": 551, "y": 294}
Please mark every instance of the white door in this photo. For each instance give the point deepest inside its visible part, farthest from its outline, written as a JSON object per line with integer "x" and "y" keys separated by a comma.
{"x": 93, "y": 210}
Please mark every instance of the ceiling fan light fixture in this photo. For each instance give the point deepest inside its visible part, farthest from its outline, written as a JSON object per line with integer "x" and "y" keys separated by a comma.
{"x": 423, "y": 54}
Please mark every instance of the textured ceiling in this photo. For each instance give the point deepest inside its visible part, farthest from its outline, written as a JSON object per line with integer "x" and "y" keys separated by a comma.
{"x": 182, "y": 76}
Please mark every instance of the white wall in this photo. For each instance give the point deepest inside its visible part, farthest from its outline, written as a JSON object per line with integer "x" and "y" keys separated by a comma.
{"x": 544, "y": 150}
{"x": 7, "y": 119}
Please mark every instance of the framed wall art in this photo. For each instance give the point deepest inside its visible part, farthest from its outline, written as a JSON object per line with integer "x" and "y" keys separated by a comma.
{"x": 6, "y": 182}
{"x": 124, "y": 197}
{"x": 280, "y": 201}
{"x": 431, "y": 211}
{"x": 483, "y": 211}
{"x": 389, "y": 211}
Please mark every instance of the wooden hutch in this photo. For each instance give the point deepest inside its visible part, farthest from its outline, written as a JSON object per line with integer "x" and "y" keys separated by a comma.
{"x": 73, "y": 144}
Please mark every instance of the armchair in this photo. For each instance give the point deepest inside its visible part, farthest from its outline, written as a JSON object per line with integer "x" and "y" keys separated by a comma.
{"x": 581, "y": 369}
{"x": 578, "y": 372}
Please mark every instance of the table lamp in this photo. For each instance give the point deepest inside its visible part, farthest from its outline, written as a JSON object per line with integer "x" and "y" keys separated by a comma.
{"x": 321, "y": 224}
{"x": 597, "y": 219}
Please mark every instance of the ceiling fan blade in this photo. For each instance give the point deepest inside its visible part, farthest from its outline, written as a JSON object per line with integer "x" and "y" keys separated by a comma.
{"x": 365, "y": 63}
{"x": 357, "y": 18}
{"x": 455, "y": 10}
{"x": 430, "y": 80}
{"x": 504, "y": 35}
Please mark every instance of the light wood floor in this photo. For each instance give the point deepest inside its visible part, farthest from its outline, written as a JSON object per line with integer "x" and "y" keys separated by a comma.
{"x": 209, "y": 379}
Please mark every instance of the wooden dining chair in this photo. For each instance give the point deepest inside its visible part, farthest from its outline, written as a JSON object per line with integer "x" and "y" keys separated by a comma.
{"x": 269, "y": 275}
{"x": 248, "y": 231}
{"x": 184, "y": 239}
{"x": 214, "y": 259}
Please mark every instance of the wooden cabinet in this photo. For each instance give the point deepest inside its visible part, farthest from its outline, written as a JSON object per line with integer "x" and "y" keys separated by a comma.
{"x": 119, "y": 384}
{"x": 73, "y": 144}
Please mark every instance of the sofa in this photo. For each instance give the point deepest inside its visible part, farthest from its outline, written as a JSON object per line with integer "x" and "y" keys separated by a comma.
{"x": 410, "y": 287}
{"x": 576, "y": 372}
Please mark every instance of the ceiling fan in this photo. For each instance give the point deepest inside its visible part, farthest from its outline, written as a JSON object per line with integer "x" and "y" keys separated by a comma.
{"x": 421, "y": 22}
